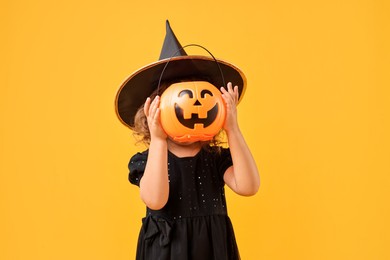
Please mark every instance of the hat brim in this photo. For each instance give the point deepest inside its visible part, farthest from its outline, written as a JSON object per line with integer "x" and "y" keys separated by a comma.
{"x": 141, "y": 84}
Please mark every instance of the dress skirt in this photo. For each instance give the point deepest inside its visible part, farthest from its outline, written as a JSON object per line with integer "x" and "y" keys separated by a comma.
{"x": 206, "y": 238}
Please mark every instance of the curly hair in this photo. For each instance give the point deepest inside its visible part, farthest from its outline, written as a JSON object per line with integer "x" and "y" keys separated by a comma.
{"x": 141, "y": 129}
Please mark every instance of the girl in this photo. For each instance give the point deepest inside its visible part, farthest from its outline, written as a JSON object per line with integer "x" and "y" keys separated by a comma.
{"x": 182, "y": 186}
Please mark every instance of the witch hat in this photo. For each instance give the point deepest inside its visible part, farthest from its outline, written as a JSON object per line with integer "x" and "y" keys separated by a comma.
{"x": 173, "y": 64}
{"x": 171, "y": 46}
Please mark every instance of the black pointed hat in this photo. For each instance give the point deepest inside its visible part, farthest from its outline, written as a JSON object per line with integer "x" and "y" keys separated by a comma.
{"x": 173, "y": 64}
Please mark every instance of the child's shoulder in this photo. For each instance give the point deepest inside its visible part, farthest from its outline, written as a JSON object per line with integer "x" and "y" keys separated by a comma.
{"x": 139, "y": 156}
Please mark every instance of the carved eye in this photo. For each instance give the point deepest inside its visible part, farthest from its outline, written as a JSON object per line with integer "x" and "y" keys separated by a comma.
{"x": 186, "y": 92}
{"x": 204, "y": 92}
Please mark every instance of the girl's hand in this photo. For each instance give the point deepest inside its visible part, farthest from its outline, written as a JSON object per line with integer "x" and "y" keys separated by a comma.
{"x": 152, "y": 112}
{"x": 231, "y": 100}
{"x": 243, "y": 176}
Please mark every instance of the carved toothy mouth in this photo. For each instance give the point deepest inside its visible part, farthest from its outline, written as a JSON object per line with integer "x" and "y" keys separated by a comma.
{"x": 191, "y": 122}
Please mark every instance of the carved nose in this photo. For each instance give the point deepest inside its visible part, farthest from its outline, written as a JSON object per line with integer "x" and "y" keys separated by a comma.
{"x": 197, "y": 103}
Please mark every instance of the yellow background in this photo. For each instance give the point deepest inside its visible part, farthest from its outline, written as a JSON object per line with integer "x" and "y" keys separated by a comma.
{"x": 315, "y": 114}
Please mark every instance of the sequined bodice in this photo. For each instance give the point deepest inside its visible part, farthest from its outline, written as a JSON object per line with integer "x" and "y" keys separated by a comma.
{"x": 196, "y": 185}
{"x": 196, "y": 188}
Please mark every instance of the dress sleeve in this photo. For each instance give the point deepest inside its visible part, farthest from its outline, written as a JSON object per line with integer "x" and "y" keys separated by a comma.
{"x": 137, "y": 167}
{"x": 224, "y": 161}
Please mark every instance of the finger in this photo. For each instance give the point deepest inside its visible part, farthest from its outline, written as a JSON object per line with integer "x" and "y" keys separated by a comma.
{"x": 154, "y": 106}
{"x": 226, "y": 95}
{"x": 236, "y": 94}
{"x": 231, "y": 92}
{"x": 228, "y": 99}
{"x": 230, "y": 88}
{"x": 223, "y": 90}
{"x": 147, "y": 106}
{"x": 157, "y": 115}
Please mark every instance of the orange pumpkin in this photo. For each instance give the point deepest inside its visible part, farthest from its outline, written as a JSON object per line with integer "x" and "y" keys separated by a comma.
{"x": 192, "y": 111}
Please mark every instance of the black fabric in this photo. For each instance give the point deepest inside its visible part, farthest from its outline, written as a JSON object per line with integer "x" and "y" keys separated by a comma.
{"x": 171, "y": 46}
{"x": 194, "y": 223}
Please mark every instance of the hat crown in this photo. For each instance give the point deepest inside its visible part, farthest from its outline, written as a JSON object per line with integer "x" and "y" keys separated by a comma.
{"x": 171, "y": 46}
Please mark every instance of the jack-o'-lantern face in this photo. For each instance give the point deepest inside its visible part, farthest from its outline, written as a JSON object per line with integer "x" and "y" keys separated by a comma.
{"x": 192, "y": 111}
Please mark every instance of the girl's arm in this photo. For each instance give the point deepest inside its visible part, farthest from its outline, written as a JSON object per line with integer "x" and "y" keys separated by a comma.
{"x": 154, "y": 185}
{"x": 243, "y": 177}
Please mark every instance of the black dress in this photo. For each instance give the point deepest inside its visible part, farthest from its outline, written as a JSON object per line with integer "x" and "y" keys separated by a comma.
{"x": 194, "y": 224}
